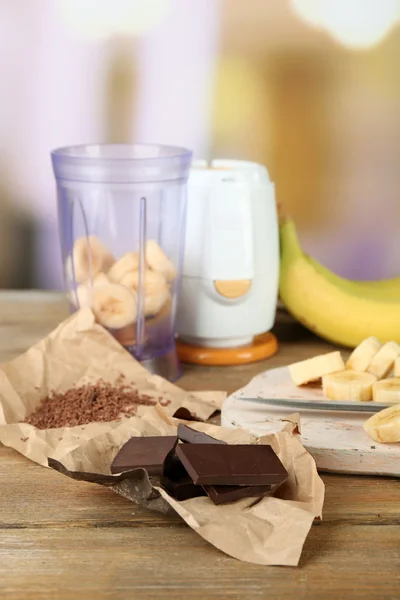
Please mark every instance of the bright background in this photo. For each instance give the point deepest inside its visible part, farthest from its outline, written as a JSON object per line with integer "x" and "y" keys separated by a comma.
{"x": 310, "y": 88}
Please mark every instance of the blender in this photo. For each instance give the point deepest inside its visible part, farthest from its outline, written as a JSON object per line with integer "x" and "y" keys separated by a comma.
{"x": 121, "y": 220}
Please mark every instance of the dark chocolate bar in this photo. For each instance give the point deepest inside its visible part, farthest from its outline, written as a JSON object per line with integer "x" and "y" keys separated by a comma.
{"x": 146, "y": 452}
{"x": 176, "y": 481}
{"x": 231, "y": 464}
{"x": 187, "y": 434}
{"x": 220, "y": 494}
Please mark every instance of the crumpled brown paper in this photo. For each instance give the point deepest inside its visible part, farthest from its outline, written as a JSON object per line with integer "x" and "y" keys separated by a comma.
{"x": 271, "y": 531}
{"x": 78, "y": 351}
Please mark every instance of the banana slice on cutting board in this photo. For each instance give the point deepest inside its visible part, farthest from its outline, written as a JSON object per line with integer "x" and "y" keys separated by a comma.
{"x": 361, "y": 357}
{"x": 114, "y": 305}
{"x": 387, "y": 391}
{"x": 396, "y": 368}
{"x": 89, "y": 257}
{"x": 348, "y": 385}
{"x": 313, "y": 369}
{"x": 128, "y": 262}
{"x": 384, "y": 426}
{"x": 153, "y": 282}
{"x": 158, "y": 261}
{"x": 383, "y": 361}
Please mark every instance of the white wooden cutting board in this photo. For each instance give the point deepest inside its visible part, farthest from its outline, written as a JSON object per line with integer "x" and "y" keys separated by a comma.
{"x": 336, "y": 440}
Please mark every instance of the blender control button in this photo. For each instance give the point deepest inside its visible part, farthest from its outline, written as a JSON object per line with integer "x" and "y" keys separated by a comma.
{"x": 232, "y": 288}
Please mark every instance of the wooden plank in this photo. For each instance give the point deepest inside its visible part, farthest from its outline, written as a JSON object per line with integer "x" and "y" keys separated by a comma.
{"x": 339, "y": 561}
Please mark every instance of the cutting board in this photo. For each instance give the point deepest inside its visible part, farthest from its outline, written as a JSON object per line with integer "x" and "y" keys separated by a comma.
{"x": 336, "y": 440}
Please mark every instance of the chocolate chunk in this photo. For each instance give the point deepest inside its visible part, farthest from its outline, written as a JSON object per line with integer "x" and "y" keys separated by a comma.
{"x": 185, "y": 414}
{"x": 182, "y": 489}
{"x": 220, "y": 494}
{"x": 146, "y": 452}
{"x": 187, "y": 434}
{"x": 176, "y": 481}
{"x": 231, "y": 464}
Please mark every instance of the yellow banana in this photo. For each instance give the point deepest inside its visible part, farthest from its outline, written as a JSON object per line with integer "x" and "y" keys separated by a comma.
{"x": 385, "y": 289}
{"x": 328, "y": 305}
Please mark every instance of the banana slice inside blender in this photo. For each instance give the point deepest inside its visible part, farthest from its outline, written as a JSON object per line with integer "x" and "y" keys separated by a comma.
{"x": 114, "y": 305}
{"x": 89, "y": 257}
{"x": 124, "y": 265}
{"x": 158, "y": 261}
{"x": 153, "y": 282}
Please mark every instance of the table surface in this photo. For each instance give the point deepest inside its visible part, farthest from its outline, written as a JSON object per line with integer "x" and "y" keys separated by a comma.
{"x": 62, "y": 539}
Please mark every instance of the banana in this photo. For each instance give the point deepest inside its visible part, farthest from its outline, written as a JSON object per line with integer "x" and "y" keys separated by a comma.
{"x": 152, "y": 281}
{"x": 89, "y": 257}
{"x": 348, "y": 385}
{"x": 384, "y": 289}
{"x": 383, "y": 361}
{"x": 153, "y": 303}
{"x": 128, "y": 262}
{"x": 313, "y": 369}
{"x": 114, "y": 305}
{"x": 387, "y": 391}
{"x": 158, "y": 261}
{"x": 384, "y": 426}
{"x": 325, "y": 306}
{"x": 396, "y": 368}
{"x": 360, "y": 358}
{"x": 83, "y": 294}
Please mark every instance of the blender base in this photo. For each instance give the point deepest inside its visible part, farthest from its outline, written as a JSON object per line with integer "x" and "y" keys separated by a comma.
{"x": 261, "y": 347}
{"x": 165, "y": 365}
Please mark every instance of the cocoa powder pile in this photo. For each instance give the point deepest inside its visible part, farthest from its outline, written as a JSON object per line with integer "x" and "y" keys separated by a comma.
{"x": 90, "y": 404}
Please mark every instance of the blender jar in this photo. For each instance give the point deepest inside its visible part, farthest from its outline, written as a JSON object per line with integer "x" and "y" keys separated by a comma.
{"x": 121, "y": 215}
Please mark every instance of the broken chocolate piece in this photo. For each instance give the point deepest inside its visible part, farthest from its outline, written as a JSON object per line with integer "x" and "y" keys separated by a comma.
{"x": 144, "y": 452}
{"x": 220, "y": 494}
{"x": 183, "y": 489}
{"x": 231, "y": 464}
{"x": 176, "y": 481}
{"x": 187, "y": 434}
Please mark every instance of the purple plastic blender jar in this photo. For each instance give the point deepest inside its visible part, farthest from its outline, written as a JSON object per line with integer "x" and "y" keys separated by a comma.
{"x": 121, "y": 219}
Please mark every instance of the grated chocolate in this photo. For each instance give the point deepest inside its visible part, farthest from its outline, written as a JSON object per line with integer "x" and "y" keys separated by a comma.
{"x": 90, "y": 403}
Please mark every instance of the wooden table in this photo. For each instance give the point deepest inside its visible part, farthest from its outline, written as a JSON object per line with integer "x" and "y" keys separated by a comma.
{"x": 63, "y": 539}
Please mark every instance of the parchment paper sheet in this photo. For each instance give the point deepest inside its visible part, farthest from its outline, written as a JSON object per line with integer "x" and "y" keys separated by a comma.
{"x": 78, "y": 351}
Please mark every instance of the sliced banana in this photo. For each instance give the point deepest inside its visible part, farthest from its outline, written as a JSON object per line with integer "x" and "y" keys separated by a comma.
{"x": 348, "y": 385}
{"x": 384, "y": 426}
{"x": 387, "y": 391}
{"x": 312, "y": 369}
{"x": 83, "y": 294}
{"x": 361, "y": 357}
{"x": 153, "y": 282}
{"x": 396, "y": 368}
{"x": 89, "y": 257}
{"x": 383, "y": 361}
{"x": 128, "y": 262}
{"x": 158, "y": 261}
{"x": 114, "y": 305}
{"x": 153, "y": 303}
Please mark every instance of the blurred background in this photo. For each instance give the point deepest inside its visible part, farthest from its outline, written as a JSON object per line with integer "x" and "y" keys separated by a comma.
{"x": 310, "y": 88}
